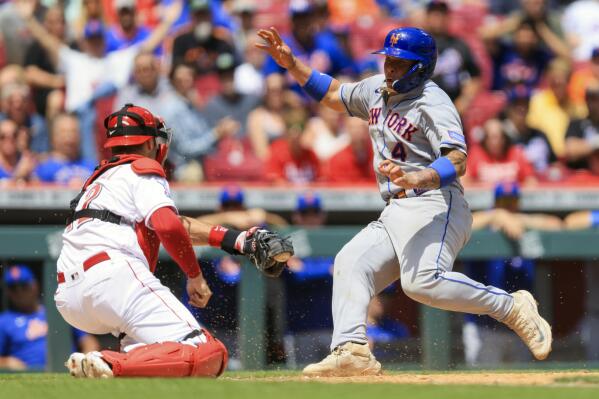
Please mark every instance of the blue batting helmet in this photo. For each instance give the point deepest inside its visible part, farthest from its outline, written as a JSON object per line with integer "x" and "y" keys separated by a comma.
{"x": 411, "y": 44}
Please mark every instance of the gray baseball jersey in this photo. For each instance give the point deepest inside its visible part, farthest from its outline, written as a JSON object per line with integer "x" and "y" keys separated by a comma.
{"x": 415, "y": 239}
{"x": 411, "y": 129}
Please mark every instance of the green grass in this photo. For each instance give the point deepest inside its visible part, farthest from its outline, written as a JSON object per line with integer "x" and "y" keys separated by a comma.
{"x": 62, "y": 386}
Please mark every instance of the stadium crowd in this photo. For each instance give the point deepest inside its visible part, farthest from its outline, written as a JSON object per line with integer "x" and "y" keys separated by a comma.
{"x": 524, "y": 76}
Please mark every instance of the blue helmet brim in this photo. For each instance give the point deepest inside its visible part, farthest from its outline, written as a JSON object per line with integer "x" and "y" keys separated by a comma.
{"x": 398, "y": 53}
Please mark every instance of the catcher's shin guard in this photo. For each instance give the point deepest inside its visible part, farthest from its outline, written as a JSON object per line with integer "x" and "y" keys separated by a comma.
{"x": 170, "y": 359}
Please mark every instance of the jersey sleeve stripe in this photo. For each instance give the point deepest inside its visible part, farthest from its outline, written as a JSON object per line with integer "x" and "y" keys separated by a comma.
{"x": 459, "y": 146}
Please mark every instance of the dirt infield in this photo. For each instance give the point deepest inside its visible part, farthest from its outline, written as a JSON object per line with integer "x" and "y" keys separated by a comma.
{"x": 524, "y": 378}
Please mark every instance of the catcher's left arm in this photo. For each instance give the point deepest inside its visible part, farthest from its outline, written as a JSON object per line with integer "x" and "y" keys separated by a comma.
{"x": 267, "y": 250}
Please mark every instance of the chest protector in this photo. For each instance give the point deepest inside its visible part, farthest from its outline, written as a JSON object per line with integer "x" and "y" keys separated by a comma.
{"x": 140, "y": 165}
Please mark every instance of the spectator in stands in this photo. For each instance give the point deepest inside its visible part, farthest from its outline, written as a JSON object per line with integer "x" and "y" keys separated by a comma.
{"x": 15, "y": 104}
{"x": 291, "y": 160}
{"x": 229, "y": 102}
{"x": 537, "y": 15}
{"x": 193, "y": 137}
{"x": 497, "y": 159}
{"x": 551, "y": 109}
{"x": 149, "y": 88}
{"x": 40, "y": 71}
{"x": 201, "y": 46}
{"x": 319, "y": 50}
{"x": 244, "y": 12}
{"x": 325, "y": 133}
{"x": 16, "y": 164}
{"x": 12, "y": 74}
{"x": 353, "y": 163}
{"x": 582, "y": 137}
{"x": 24, "y": 329}
{"x": 127, "y": 32}
{"x": 64, "y": 164}
{"x": 520, "y": 61}
{"x": 534, "y": 142}
{"x": 266, "y": 123}
{"x": 487, "y": 342}
{"x": 248, "y": 75}
{"x": 582, "y": 78}
{"x": 90, "y": 10}
{"x": 308, "y": 282}
{"x": 456, "y": 72}
{"x": 183, "y": 81}
{"x": 579, "y": 22}
{"x": 13, "y": 30}
{"x": 88, "y": 74}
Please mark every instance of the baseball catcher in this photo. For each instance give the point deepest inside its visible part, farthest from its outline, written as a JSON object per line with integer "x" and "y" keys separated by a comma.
{"x": 110, "y": 248}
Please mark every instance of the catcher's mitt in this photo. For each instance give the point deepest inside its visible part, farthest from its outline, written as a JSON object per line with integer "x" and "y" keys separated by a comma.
{"x": 267, "y": 250}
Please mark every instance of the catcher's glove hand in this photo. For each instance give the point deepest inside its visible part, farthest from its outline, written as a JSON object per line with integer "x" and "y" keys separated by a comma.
{"x": 267, "y": 250}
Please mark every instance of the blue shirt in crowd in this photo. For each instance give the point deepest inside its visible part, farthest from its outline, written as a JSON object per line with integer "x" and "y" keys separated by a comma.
{"x": 60, "y": 171}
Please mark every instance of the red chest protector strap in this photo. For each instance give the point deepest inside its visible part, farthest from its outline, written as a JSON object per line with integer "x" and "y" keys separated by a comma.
{"x": 140, "y": 165}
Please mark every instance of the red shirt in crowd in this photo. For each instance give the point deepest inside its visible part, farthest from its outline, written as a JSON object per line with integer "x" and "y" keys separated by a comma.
{"x": 282, "y": 165}
{"x": 513, "y": 167}
{"x": 347, "y": 166}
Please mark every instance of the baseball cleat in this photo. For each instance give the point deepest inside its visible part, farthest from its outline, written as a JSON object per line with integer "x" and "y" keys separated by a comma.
{"x": 525, "y": 320}
{"x": 95, "y": 367}
{"x": 349, "y": 359}
{"x": 74, "y": 365}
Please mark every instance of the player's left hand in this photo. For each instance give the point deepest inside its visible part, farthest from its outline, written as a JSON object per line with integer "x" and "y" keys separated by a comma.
{"x": 420, "y": 179}
{"x": 267, "y": 250}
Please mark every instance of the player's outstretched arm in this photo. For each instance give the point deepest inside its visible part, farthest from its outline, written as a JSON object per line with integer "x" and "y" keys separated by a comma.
{"x": 321, "y": 87}
{"x": 448, "y": 167}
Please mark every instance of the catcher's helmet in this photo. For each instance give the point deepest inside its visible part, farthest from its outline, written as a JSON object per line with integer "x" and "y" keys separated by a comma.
{"x": 131, "y": 125}
{"x": 411, "y": 44}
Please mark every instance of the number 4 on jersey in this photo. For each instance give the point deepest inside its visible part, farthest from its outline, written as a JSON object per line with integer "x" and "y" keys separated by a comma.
{"x": 399, "y": 152}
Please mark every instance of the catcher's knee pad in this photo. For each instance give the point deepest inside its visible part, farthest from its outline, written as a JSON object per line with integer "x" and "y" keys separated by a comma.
{"x": 170, "y": 359}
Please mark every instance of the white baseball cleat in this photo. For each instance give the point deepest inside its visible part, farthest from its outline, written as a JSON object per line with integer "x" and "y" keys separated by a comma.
{"x": 349, "y": 359}
{"x": 74, "y": 365}
{"x": 525, "y": 320}
{"x": 95, "y": 367}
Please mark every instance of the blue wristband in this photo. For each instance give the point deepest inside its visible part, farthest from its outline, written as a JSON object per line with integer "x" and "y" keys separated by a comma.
{"x": 594, "y": 218}
{"x": 445, "y": 169}
{"x": 317, "y": 85}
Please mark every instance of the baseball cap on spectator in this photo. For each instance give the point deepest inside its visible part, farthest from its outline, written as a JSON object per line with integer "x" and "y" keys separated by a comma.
{"x": 225, "y": 62}
{"x": 18, "y": 274}
{"x": 507, "y": 196}
{"x": 124, "y": 4}
{"x": 244, "y": 6}
{"x": 231, "y": 195}
{"x": 300, "y": 7}
{"x": 93, "y": 29}
{"x": 309, "y": 202}
{"x": 437, "y": 5}
{"x": 199, "y": 5}
{"x": 503, "y": 190}
{"x": 519, "y": 92}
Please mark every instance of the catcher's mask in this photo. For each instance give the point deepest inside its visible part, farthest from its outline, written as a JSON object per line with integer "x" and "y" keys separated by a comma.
{"x": 134, "y": 125}
{"x": 163, "y": 140}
